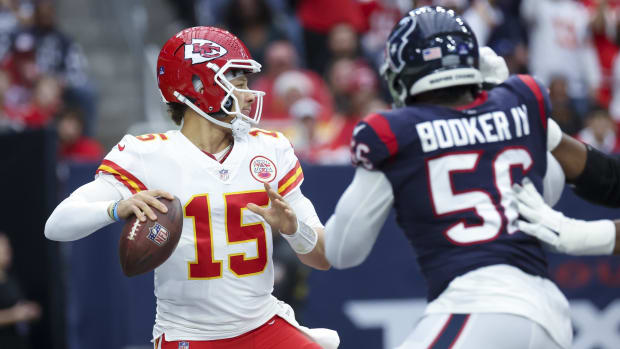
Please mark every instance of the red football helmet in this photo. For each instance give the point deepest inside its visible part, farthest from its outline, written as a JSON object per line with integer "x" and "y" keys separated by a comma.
{"x": 192, "y": 67}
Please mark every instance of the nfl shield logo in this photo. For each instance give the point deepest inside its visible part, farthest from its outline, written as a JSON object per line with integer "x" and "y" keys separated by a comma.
{"x": 224, "y": 175}
{"x": 183, "y": 345}
{"x": 158, "y": 234}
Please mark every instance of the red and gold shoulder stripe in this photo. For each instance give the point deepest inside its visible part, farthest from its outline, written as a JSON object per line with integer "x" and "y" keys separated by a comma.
{"x": 291, "y": 180}
{"x": 256, "y": 131}
{"x": 130, "y": 181}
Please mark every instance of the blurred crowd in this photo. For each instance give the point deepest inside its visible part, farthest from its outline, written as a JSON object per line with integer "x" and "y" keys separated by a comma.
{"x": 320, "y": 64}
{"x": 43, "y": 80}
{"x": 321, "y": 60}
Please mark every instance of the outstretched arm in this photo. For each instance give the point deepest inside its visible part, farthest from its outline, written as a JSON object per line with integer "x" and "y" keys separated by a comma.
{"x": 352, "y": 230}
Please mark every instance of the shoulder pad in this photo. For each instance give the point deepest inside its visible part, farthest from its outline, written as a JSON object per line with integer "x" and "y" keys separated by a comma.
{"x": 269, "y": 136}
{"x": 373, "y": 142}
{"x": 124, "y": 162}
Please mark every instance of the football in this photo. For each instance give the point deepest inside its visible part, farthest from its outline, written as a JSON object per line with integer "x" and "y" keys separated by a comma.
{"x": 144, "y": 246}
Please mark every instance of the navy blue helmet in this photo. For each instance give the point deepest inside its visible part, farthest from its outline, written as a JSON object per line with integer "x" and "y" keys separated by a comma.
{"x": 430, "y": 48}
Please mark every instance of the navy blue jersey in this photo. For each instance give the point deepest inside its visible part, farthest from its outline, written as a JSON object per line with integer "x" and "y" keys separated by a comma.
{"x": 452, "y": 170}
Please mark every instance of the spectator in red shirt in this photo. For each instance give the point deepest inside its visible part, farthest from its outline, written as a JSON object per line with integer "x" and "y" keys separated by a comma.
{"x": 30, "y": 98}
{"x": 357, "y": 85}
{"x": 45, "y": 102}
{"x": 282, "y": 58}
{"x": 318, "y": 18}
{"x": 74, "y": 145}
{"x": 57, "y": 55}
{"x": 380, "y": 17}
{"x": 604, "y": 24}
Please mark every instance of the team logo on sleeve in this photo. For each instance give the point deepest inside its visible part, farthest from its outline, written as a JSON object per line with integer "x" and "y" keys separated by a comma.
{"x": 158, "y": 234}
{"x": 201, "y": 50}
{"x": 263, "y": 169}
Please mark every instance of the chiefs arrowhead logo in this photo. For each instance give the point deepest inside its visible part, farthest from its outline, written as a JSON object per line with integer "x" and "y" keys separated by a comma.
{"x": 201, "y": 50}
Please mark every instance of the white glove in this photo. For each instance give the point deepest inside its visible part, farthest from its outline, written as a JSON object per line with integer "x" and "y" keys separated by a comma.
{"x": 562, "y": 234}
{"x": 492, "y": 67}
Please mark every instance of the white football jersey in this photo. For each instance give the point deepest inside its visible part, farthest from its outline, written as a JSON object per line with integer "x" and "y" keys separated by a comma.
{"x": 218, "y": 282}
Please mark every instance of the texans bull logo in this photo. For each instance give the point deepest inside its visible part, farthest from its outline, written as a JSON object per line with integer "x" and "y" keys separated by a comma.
{"x": 202, "y": 50}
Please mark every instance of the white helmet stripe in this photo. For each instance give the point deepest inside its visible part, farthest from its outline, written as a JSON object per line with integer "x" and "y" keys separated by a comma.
{"x": 446, "y": 78}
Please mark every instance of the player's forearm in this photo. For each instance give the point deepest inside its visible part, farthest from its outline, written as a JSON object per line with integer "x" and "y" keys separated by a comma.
{"x": 352, "y": 230}
{"x": 75, "y": 219}
{"x": 316, "y": 258}
{"x": 83, "y": 212}
{"x": 595, "y": 176}
{"x": 572, "y": 156}
{"x": 307, "y": 214}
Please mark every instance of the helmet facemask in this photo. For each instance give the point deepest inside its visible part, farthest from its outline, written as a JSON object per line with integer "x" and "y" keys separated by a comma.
{"x": 229, "y": 105}
{"x": 223, "y": 77}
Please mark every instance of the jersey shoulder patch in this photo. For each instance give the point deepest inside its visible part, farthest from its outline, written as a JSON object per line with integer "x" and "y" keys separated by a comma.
{"x": 290, "y": 174}
{"x": 374, "y": 141}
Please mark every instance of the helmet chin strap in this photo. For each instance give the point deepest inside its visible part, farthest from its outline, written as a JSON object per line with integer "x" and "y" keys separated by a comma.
{"x": 239, "y": 126}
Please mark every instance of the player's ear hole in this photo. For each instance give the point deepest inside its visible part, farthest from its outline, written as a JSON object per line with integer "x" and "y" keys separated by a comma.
{"x": 197, "y": 83}
{"x": 228, "y": 104}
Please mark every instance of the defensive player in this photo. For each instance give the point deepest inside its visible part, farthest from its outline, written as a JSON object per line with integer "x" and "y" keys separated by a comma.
{"x": 594, "y": 177}
{"x": 215, "y": 289}
{"x": 446, "y": 158}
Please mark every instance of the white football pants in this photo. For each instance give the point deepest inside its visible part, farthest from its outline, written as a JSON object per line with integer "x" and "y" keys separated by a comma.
{"x": 478, "y": 331}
